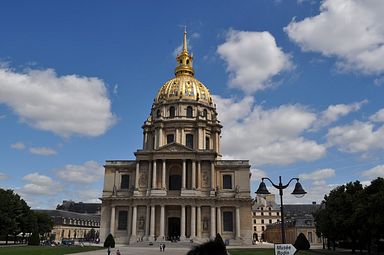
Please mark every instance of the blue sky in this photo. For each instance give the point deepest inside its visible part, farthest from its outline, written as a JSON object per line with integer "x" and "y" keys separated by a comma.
{"x": 298, "y": 86}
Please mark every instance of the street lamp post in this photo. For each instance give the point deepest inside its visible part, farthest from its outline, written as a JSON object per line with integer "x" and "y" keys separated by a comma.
{"x": 297, "y": 192}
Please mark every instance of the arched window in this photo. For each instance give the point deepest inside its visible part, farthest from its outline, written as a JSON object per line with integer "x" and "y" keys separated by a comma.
{"x": 172, "y": 112}
{"x": 189, "y": 112}
{"x": 158, "y": 113}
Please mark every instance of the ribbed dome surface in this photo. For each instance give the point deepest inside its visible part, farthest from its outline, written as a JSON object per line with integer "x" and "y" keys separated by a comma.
{"x": 184, "y": 87}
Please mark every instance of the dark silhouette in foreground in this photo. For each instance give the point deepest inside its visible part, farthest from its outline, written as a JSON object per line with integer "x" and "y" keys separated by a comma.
{"x": 216, "y": 247}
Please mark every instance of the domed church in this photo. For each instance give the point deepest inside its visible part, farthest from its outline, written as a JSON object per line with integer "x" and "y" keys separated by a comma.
{"x": 178, "y": 188}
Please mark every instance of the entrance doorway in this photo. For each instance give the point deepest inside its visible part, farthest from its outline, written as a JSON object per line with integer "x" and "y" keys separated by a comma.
{"x": 173, "y": 228}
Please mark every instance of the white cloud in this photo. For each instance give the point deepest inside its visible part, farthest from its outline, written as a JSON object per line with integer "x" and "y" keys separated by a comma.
{"x": 373, "y": 173}
{"x": 65, "y": 105}
{"x": 36, "y": 178}
{"x": 257, "y": 174}
{"x": 273, "y": 136}
{"x": 39, "y": 185}
{"x": 318, "y": 176}
{"x": 356, "y": 137}
{"x": 87, "y": 173}
{"x": 18, "y": 146}
{"x": 3, "y": 176}
{"x": 44, "y": 151}
{"x": 351, "y": 30}
{"x": 335, "y": 112}
{"x": 378, "y": 116}
{"x": 89, "y": 195}
{"x": 252, "y": 59}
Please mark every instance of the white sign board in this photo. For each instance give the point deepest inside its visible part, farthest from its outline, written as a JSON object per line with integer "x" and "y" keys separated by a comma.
{"x": 284, "y": 249}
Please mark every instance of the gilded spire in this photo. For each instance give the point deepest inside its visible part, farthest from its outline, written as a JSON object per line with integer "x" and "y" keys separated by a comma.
{"x": 185, "y": 47}
{"x": 184, "y": 60}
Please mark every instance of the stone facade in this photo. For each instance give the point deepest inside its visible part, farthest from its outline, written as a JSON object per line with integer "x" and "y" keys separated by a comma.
{"x": 178, "y": 187}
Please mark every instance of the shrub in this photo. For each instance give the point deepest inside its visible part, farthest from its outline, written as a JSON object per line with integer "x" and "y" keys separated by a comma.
{"x": 301, "y": 242}
{"x": 35, "y": 239}
{"x": 109, "y": 241}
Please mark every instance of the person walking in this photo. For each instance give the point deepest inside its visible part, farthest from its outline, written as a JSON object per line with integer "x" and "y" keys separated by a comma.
{"x": 163, "y": 247}
{"x": 109, "y": 250}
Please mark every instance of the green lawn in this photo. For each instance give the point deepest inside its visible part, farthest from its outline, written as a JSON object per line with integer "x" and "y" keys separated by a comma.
{"x": 45, "y": 250}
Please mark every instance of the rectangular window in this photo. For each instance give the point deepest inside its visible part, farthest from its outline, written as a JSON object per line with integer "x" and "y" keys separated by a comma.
{"x": 125, "y": 181}
{"x": 170, "y": 138}
{"x": 254, "y": 228}
{"x": 123, "y": 220}
{"x": 228, "y": 221}
{"x": 270, "y": 221}
{"x": 207, "y": 143}
{"x": 189, "y": 140}
{"x": 227, "y": 181}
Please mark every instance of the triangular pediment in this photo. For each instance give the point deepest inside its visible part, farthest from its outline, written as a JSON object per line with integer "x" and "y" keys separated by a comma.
{"x": 174, "y": 147}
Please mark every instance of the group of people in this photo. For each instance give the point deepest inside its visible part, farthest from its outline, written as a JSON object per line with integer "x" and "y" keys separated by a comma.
{"x": 162, "y": 247}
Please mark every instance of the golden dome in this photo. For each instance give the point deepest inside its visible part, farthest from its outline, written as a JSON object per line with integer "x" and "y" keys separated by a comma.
{"x": 184, "y": 85}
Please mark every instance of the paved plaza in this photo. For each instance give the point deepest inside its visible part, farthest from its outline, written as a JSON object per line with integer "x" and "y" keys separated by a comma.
{"x": 131, "y": 250}
{"x": 127, "y": 250}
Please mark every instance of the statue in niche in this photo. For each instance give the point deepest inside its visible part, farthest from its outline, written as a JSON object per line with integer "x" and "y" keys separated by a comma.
{"x": 143, "y": 180}
{"x": 205, "y": 178}
{"x": 141, "y": 222}
{"x": 205, "y": 223}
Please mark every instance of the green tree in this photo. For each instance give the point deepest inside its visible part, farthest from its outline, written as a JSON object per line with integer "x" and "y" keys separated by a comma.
{"x": 109, "y": 241}
{"x": 12, "y": 212}
{"x": 301, "y": 242}
{"x": 44, "y": 223}
{"x": 353, "y": 214}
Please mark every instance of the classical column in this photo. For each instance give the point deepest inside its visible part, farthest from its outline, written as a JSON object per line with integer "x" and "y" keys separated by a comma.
{"x": 149, "y": 175}
{"x": 193, "y": 174}
{"x": 213, "y": 222}
{"x": 199, "y": 174}
{"x": 163, "y": 175}
{"x": 152, "y": 227}
{"x": 160, "y": 137}
{"x": 198, "y": 226}
{"x": 218, "y": 223}
{"x": 130, "y": 220}
{"x": 147, "y": 215}
{"x": 237, "y": 222}
{"x": 154, "y": 178}
{"x": 213, "y": 186}
{"x": 162, "y": 222}
{"x": 184, "y": 175}
{"x": 113, "y": 215}
{"x": 134, "y": 221}
{"x": 193, "y": 222}
{"x": 137, "y": 175}
{"x": 182, "y": 225}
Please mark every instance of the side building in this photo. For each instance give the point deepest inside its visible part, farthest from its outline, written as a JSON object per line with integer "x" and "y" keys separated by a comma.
{"x": 178, "y": 187}
{"x": 298, "y": 219}
{"x": 264, "y": 211}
